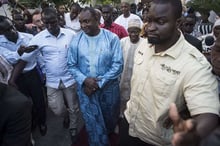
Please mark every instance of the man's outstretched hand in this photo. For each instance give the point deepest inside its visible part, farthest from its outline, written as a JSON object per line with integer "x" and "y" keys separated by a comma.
{"x": 185, "y": 133}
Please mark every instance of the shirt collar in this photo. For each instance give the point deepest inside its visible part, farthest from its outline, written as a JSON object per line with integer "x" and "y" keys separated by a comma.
{"x": 48, "y": 34}
{"x": 3, "y": 39}
{"x": 175, "y": 50}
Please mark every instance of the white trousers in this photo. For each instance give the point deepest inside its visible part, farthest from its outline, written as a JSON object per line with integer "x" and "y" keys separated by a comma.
{"x": 57, "y": 104}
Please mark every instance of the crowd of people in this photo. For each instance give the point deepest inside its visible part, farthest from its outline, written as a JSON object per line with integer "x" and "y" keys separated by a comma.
{"x": 150, "y": 70}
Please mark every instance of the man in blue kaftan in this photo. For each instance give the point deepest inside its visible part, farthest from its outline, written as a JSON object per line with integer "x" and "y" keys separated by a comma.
{"x": 95, "y": 60}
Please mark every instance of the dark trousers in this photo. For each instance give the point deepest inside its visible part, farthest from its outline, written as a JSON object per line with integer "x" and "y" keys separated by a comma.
{"x": 125, "y": 139}
{"x": 29, "y": 84}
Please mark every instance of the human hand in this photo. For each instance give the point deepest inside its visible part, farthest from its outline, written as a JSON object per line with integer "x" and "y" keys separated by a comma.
{"x": 88, "y": 91}
{"x": 22, "y": 49}
{"x": 30, "y": 48}
{"x": 184, "y": 130}
{"x": 91, "y": 83}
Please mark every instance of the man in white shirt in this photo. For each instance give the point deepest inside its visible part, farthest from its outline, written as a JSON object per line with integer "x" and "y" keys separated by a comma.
{"x": 12, "y": 45}
{"x": 126, "y": 16}
{"x": 53, "y": 43}
{"x": 72, "y": 18}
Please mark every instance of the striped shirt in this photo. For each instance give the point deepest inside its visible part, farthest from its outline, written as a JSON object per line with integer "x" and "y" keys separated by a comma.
{"x": 205, "y": 28}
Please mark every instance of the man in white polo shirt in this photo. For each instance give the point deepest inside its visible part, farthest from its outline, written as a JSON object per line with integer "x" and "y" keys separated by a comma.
{"x": 167, "y": 70}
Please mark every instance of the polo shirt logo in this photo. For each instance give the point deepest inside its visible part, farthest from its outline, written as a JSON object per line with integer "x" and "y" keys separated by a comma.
{"x": 169, "y": 69}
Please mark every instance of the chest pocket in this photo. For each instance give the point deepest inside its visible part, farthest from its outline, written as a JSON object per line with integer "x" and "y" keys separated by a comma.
{"x": 163, "y": 83}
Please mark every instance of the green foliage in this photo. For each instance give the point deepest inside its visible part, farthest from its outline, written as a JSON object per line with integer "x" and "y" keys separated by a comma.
{"x": 113, "y": 2}
{"x": 36, "y": 3}
{"x": 102, "y": 2}
{"x": 30, "y": 3}
{"x": 84, "y": 1}
{"x": 62, "y": 1}
{"x": 205, "y": 5}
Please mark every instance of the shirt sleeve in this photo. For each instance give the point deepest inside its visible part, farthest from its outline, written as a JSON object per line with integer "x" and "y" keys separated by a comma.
{"x": 117, "y": 63}
{"x": 72, "y": 62}
{"x": 201, "y": 89}
{"x": 34, "y": 54}
{"x": 11, "y": 56}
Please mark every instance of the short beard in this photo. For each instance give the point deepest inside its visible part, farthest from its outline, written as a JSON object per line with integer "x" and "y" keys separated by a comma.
{"x": 154, "y": 41}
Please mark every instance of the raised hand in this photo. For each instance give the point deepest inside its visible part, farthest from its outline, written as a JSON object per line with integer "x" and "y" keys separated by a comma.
{"x": 184, "y": 130}
{"x": 22, "y": 49}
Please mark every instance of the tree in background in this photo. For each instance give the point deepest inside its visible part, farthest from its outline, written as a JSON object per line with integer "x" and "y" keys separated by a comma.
{"x": 37, "y": 3}
{"x": 205, "y": 5}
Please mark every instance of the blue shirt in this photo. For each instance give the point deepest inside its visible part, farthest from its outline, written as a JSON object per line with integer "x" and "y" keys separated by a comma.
{"x": 98, "y": 56}
{"x": 54, "y": 55}
{"x": 9, "y": 49}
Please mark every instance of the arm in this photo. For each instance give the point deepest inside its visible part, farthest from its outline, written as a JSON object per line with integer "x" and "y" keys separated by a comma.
{"x": 206, "y": 123}
{"x": 18, "y": 68}
{"x": 13, "y": 56}
{"x": 192, "y": 131}
{"x": 72, "y": 62}
{"x": 10, "y": 56}
{"x": 200, "y": 89}
{"x": 89, "y": 84}
{"x": 20, "y": 65}
{"x": 215, "y": 56}
{"x": 117, "y": 63}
